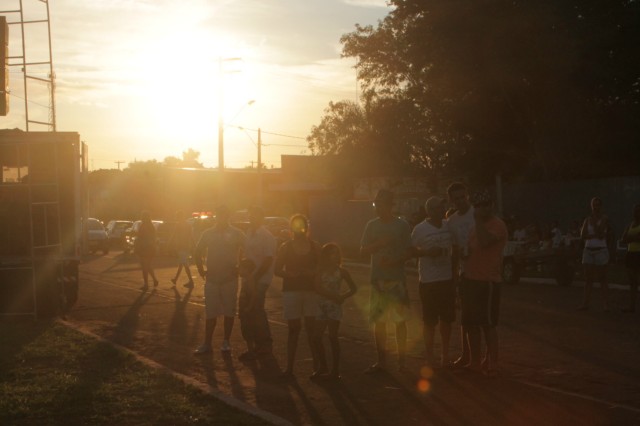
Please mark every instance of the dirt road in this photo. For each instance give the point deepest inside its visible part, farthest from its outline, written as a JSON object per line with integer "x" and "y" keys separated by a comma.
{"x": 559, "y": 366}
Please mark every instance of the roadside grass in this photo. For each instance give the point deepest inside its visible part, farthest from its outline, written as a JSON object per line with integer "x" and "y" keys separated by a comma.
{"x": 50, "y": 375}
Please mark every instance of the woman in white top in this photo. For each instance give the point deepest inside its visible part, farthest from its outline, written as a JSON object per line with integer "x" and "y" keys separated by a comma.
{"x": 595, "y": 257}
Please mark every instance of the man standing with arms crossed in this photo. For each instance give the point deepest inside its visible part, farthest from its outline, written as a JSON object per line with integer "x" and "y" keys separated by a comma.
{"x": 387, "y": 239}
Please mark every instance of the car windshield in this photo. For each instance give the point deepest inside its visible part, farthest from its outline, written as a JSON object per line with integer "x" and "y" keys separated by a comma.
{"x": 94, "y": 225}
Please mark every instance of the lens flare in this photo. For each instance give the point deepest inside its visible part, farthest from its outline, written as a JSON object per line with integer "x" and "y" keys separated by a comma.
{"x": 426, "y": 372}
{"x": 423, "y": 385}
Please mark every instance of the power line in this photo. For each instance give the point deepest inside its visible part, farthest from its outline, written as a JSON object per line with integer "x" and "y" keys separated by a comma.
{"x": 264, "y": 132}
{"x": 279, "y": 144}
{"x": 31, "y": 102}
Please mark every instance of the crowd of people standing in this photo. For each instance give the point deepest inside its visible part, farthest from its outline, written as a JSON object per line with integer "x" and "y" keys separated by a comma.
{"x": 459, "y": 251}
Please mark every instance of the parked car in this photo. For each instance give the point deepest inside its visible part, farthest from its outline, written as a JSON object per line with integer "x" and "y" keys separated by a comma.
{"x": 164, "y": 231}
{"x": 132, "y": 233}
{"x": 97, "y": 236}
{"x": 116, "y": 231}
{"x": 562, "y": 261}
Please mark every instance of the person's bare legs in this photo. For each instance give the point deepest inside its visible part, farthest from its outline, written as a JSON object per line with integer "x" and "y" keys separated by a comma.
{"x": 380, "y": 335}
{"x": 309, "y": 328}
{"x": 428, "y": 333}
{"x": 491, "y": 337}
{"x": 604, "y": 285}
{"x": 228, "y": 327}
{"x": 445, "y": 339}
{"x": 335, "y": 348}
{"x": 588, "y": 285}
{"x": 475, "y": 349}
{"x": 209, "y": 328}
{"x": 464, "y": 358}
{"x": 633, "y": 290}
{"x": 320, "y": 327}
{"x": 295, "y": 325}
{"x": 401, "y": 341}
{"x": 175, "y": 278}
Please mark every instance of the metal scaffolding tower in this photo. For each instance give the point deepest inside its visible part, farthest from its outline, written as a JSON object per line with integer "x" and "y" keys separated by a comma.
{"x": 31, "y": 68}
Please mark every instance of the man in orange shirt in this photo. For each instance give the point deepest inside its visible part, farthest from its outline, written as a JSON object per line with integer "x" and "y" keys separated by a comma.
{"x": 482, "y": 279}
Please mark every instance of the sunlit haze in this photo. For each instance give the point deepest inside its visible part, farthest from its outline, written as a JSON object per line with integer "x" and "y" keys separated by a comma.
{"x": 140, "y": 79}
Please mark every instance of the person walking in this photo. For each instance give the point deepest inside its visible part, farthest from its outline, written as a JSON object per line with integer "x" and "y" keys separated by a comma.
{"x": 259, "y": 249}
{"x": 460, "y": 223}
{"x": 631, "y": 237}
{"x": 296, "y": 264}
{"x": 145, "y": 248}
{"x": 328, "y": 285}
{"x": 222, "y": 244}
{"x": 182, "y": 241}
{"x": 482, "y": 284}
{"x": 595, "y": 257}
{"x": 432, "y": 243}
{"x": 387, "y": 240}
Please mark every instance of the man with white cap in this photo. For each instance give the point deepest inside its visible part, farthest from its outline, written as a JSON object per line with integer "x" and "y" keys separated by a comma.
{"x": 432, "y": 242}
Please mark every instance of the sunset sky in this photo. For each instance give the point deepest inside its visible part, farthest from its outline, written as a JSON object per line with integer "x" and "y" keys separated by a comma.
{"x": 139, "y": 79}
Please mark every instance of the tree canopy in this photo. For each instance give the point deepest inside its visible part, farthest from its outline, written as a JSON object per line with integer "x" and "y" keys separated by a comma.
{"x": 533, "y": 90}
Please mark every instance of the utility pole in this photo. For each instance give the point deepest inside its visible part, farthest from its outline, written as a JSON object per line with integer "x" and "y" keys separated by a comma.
{"x": 259, "y": 167}
{"x": 220, "y": 119}
{"x": 118, "y": 163}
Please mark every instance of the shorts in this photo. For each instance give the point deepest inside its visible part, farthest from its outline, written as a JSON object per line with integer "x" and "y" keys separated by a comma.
{"x": 480, "y": 303}
{"x": 632, "y": 260}
{"x": 220, "y": 299}
{"x": 596, "y": 257}
{"x": 438, "y": 302}
{"x": 389, "y": 302}
{"x": 298, "y": 304}
{"x": 328, "y": 310}
{"x": 183, "y": 257}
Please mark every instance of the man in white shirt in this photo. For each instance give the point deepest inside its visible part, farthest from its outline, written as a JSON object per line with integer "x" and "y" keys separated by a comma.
{"x": 432, "y": 242}
{"x": 260, "y": 251}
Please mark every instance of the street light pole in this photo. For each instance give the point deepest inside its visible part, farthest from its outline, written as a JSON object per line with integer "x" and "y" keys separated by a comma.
{"x": 220, "y": 106}
{"x": 259, "y": 167}
{"x": 220, "y": 119}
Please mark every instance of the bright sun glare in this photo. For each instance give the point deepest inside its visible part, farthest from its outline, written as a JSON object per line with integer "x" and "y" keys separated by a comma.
{"x": 180, "y": 82}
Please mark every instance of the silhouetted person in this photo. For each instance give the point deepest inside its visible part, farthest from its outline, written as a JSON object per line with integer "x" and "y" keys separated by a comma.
{"x": 631, "y": 238}
{"x": 432, "y": 243}
{"x": 223, "y": 244}
{"x": 482, "y": 283}
{"x": 595, "y": 256}
{"x": 460, "y": 223}
{"x": 259, "y": 249}
{"x": 387, "y": 239}
{"x": 328, "y": 285}
{"x": 145, "y": 248}
{"x": 182, "y": 241}
{"x": 296, "y": 264}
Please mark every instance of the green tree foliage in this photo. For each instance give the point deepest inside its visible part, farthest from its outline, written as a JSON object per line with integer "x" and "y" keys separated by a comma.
{"x": 545, "y": 89}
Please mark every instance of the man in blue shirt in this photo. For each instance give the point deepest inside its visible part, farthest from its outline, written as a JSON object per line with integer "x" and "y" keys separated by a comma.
{"x": 223, "y": 244}
{"x": 387, "y": 239}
